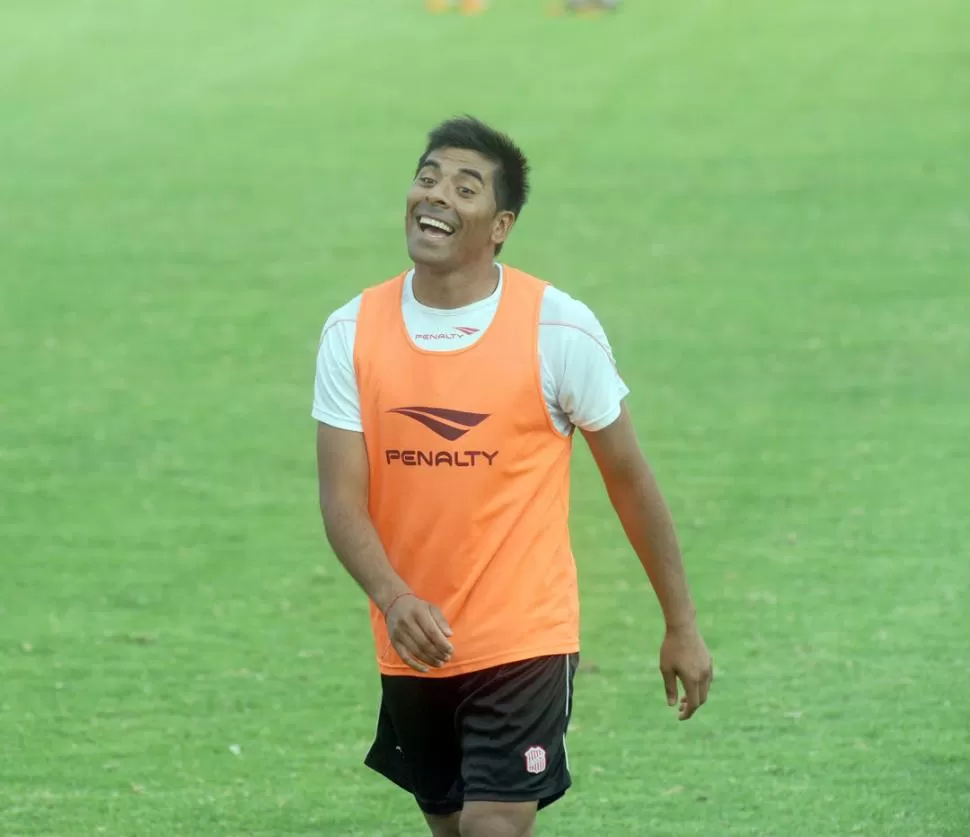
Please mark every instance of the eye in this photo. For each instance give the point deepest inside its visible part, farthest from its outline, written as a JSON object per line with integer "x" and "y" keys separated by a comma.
{"x": 464, "y": 190}
{"x": 426, "y": 181}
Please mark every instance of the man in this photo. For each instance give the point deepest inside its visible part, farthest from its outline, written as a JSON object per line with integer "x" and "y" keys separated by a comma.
{"x": 446, "y": 400}
{"x": 467, "y": 7}
{"x": 588, "y": 7}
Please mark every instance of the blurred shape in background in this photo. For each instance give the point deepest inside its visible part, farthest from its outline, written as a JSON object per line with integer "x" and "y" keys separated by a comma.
{"x": 558, "y": 7}
{"x": 466, "y": 7}
{"x": 583, "y": 8}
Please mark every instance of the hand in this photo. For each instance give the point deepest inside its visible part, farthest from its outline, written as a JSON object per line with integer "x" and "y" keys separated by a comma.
{"x": 684, "y": 655}
{"x": 419, "y": 632}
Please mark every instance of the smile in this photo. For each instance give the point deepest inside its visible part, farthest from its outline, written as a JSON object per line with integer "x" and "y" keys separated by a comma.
{"x": 434, "y": 227}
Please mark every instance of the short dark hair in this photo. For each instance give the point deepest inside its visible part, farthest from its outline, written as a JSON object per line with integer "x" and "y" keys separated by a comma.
{"x": 511, "y": 165}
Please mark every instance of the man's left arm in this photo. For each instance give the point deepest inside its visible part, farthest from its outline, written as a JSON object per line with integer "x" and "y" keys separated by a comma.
{"x": 591, "y": 393}
{"x": 643, "y": 513}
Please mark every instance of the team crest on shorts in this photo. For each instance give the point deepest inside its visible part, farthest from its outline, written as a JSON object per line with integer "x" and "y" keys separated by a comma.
{"x": 535, "y": 760}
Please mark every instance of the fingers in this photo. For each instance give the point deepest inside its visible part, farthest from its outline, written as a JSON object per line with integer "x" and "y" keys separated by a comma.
{"x": 419, "y": 634}
{"x": 439, "y": 617}
{"x": 705, "y": 686}
{"x": 670, "y": 686}
{"x": 684, "y": 657}
{"x": 434, "y": 644}
{"x": 407, "y": 651}
{"x": 696, "y": 690}
{"x": 416, "y": 643}
{"x": 692, "y": 699}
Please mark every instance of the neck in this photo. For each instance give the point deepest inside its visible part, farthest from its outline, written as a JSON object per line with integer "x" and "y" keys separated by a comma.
{"x": 454, "y": 288}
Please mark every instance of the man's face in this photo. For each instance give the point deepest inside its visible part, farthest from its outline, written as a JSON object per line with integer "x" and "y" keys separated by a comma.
{"x": 451, "y": 212}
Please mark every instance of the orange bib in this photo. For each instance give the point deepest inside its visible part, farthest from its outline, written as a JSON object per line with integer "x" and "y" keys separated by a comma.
{"x": 469, "y": 481}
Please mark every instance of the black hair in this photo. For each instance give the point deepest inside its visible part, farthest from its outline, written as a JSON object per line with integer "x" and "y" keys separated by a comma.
{"x": 511, "y": 165}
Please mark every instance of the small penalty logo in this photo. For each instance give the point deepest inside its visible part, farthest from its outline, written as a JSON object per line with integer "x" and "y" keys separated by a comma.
{"x": 448, "y": 424}
{"x": 457, "y": 333}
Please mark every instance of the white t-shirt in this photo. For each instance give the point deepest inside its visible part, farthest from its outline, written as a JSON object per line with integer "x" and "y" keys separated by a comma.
{"x": 580, "y": 382}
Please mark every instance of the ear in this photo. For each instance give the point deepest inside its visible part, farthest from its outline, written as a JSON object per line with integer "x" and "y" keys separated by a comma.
{"x": 502, "y": 226}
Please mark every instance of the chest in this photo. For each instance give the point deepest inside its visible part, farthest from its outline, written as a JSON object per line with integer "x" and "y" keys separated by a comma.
{"x": 446, "y": 331}
{"x": 475, "y": 399}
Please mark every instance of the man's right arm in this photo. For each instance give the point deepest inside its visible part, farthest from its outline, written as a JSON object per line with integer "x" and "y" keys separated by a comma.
{"x": 417, "y": 629}
{"x": 343, "y": 477}
{"x": 342, "y": 469}
{"x": 343, "y": 480}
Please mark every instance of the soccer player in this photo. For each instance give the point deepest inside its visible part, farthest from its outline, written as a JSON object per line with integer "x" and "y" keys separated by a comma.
{"x": 594, "y": 6}
{"x": 466, "y": 7}
{"x": 446, "y": 400}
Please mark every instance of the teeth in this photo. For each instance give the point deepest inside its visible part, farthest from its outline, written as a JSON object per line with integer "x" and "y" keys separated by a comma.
{"x": 434, "y": 222}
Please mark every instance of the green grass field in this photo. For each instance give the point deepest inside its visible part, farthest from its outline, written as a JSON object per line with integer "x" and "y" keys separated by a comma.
{"x": 767, "y": 204}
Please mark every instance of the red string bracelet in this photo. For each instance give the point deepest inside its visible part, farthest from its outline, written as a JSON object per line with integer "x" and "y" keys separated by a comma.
{"x": 395, "y": 600}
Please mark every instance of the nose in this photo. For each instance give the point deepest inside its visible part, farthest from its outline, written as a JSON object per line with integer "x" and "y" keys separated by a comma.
{"x": 437, "y": 195}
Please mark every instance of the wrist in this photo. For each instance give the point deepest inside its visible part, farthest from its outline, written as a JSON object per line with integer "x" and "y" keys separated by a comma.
{"x": 387, "y": 597}
{"x": 681, "y": 620}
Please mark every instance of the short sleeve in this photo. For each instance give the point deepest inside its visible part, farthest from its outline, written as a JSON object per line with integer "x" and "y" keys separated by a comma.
{"x": 589, "y": 390}
{"x": 336, "y": 398}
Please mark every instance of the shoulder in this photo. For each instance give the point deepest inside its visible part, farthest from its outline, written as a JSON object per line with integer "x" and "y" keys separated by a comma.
{"x": 572, "y": 321}
{"x": 559, "y": 307}
{"x": 578, "y": 363}
{"x": 343, "y": 318}
{"x": 348, "y": 313}
{"x": 335, "y": 397}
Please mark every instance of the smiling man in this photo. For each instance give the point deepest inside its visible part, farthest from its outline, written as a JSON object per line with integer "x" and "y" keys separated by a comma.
{"x": 446, "y": 400}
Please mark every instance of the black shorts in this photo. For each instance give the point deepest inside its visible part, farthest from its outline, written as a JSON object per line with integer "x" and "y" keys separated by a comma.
{"x": 496, "y": 735}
